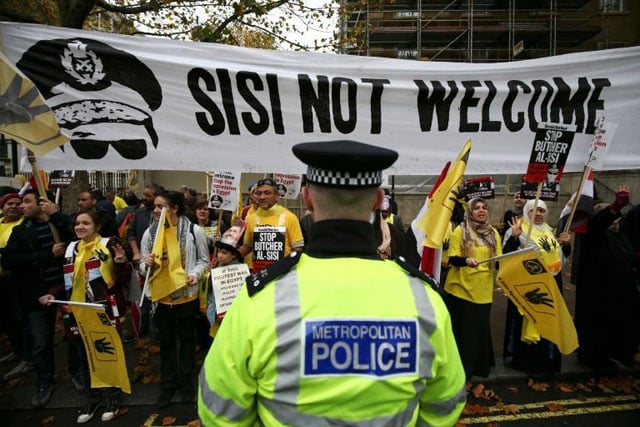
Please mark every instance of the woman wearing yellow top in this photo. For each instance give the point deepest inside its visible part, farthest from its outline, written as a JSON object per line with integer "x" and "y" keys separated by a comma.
{"x": 530, "y": 352}
{"x": 469, "y": 287}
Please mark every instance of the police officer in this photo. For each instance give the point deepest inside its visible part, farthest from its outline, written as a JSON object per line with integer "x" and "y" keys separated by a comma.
{"x": 335, "y": 336}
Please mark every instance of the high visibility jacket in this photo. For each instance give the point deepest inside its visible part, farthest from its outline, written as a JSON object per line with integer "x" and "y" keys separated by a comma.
{"x": 334, "y": 341}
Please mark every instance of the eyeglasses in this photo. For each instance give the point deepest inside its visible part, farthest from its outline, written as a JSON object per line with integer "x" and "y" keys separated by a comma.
{"x": 266, "y": 181}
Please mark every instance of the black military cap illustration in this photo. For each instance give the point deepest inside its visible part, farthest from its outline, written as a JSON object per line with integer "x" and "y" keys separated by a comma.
{"x": 85, "y": 82}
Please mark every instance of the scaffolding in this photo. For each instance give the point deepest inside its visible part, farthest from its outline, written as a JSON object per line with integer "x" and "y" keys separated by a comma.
{"x": 468, "y": 31}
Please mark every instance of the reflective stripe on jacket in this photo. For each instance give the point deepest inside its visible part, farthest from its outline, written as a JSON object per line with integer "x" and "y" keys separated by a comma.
{"x": 357, "y": 367}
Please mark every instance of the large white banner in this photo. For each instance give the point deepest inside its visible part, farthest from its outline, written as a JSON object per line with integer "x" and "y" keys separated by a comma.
{"x": 150, "y": 103}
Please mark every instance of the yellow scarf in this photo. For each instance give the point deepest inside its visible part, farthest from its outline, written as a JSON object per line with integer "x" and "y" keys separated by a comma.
{"x": 86, "y": 252}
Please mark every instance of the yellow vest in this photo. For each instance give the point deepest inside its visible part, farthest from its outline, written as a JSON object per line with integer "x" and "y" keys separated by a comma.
{"x": 334, "y": 341}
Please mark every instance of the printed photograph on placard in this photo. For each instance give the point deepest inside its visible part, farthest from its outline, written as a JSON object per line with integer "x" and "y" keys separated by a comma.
{"x": 549, "y": 192}
{"x": 482, "y": 186}
{"x": 288, "y": 185}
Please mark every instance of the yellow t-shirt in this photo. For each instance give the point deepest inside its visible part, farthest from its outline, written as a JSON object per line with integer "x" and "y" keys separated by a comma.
{"x": 474, "y": 284}
{"x": 272, "y": 234}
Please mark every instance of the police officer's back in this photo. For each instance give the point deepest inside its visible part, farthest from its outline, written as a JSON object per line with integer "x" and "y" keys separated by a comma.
{"x": 335, "y": 335}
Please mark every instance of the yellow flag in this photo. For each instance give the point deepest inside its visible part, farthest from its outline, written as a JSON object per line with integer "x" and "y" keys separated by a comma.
{"x": 105, "y": 354}
{"x": 535, "y": 293}
{"x": 168, "y": 274}
{"x": 24, "y": 116}
{"x": 435, "y": 223}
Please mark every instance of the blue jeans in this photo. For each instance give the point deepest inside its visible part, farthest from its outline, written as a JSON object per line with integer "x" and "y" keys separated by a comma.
{"x": 42, "y": 327}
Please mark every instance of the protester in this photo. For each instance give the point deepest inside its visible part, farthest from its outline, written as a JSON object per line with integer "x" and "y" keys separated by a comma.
{"x": 208, "y": 224}
{"x": 531, "y": 353}
{"x": 142, "y": 218}
{"x": 97, "y": 269}
{"x": 118, "y": 202}
{"x": 95, "y": 200}
{"x": 32, "y": 253}
{"x": 273, "y": 232}
{"x": 226, "y": 254}
{"x": 176, "y": 313}
{"x": 271, "y": 364}
{"x": 387, "y": 236}
{"x": 11, "y": 318}
{"x": 252, "y": 203}
{"x": 133, "y": 203}
{"x": 607, "y": 300}
{"x": 514, "y": 213}
{"x": 390, "y": 217}
{"x": 469, "y": 287}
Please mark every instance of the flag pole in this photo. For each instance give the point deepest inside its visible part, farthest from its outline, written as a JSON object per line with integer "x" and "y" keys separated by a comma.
{"x": 41, "y": 191}
{"x": 161, "y": 221}
{"x": 518, "y": 252}
{"x": 506, "y": 192}
{"x": 81, "y": 304}
{"x": 585, "y": 172}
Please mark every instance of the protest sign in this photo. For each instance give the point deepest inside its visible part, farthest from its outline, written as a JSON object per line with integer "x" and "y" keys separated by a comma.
{"x": 224, "y": 191}
{"x": 227, "y": 282}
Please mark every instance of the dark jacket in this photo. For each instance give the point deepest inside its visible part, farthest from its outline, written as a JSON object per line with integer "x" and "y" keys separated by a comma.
{"x": 140, "y": 223}
{"x": 26, "y": 258}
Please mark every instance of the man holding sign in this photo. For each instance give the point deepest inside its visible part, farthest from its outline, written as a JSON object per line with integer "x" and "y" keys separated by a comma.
{"x": 274, "y": 231}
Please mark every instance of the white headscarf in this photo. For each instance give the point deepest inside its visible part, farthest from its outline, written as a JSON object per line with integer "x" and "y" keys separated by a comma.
{"x": 528, "y": 207}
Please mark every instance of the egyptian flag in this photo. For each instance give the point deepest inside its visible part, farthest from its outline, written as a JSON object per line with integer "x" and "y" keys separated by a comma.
{"x": 413, "y": 250}
{"x": 584, "y": 210}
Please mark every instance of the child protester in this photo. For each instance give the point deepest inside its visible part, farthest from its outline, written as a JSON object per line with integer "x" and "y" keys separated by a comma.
{"x": 226, "y": 254}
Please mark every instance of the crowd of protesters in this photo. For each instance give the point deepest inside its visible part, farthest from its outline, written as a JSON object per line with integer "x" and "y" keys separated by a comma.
{"x": 37, "y": 240}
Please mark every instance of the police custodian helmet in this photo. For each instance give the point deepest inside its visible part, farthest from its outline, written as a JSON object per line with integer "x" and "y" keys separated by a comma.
{"x": 344, "y": 163}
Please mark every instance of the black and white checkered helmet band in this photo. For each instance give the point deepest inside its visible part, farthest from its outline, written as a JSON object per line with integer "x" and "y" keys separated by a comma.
{"x": 344, "y": 179}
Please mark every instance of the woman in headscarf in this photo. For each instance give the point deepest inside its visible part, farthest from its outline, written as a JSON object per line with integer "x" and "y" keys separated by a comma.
{"x": 469, "y": 287}
{"x": 530, "y": 352}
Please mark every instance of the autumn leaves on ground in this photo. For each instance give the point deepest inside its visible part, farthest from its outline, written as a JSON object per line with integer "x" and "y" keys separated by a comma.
{"x": 482, "y": 400}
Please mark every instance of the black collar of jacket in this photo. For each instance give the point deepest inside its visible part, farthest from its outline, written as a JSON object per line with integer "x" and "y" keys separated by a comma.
{"x": 341, "y": 238}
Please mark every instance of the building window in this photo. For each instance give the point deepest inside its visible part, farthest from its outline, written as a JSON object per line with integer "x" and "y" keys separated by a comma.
{"x": 612, "y": 6}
